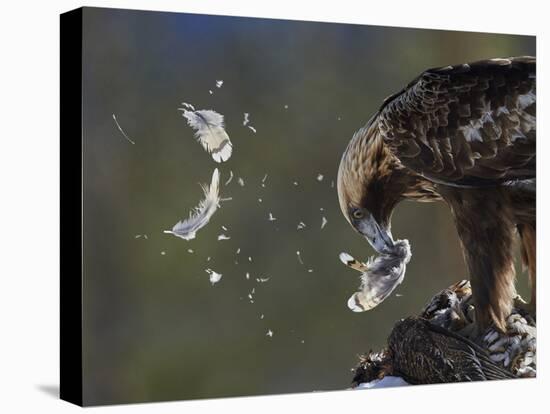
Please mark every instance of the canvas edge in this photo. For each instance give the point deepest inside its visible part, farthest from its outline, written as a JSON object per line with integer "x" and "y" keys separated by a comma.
{"x": 71, "y": 380}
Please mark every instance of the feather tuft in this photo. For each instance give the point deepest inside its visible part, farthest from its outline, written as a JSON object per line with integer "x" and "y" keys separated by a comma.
{"x": 379, "y": 276}
{"x": 200, "y": 216}
{"x": 210, "y": 132}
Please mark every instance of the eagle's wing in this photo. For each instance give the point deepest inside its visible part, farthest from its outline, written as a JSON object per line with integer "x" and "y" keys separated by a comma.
{"x": 466, "y": 125}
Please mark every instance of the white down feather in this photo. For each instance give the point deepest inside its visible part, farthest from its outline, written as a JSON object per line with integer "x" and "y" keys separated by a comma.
{"x": 210, "y": 132}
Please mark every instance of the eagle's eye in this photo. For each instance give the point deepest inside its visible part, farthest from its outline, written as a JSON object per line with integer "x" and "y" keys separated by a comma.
{"x": 357, "y": 213}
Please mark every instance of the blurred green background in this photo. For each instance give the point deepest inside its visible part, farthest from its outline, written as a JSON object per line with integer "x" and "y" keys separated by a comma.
{"x": 154, "y": 326}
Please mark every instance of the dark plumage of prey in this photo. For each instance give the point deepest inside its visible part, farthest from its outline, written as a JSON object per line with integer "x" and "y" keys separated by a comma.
{"x": 421, "y": 352}
{"x": 379, "y": 276}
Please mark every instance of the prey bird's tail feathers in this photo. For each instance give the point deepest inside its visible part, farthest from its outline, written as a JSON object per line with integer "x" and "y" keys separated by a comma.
{"x": 210, "y": 132}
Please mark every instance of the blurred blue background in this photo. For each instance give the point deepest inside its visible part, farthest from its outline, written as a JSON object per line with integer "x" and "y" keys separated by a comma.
{"x": 154, "y": 327}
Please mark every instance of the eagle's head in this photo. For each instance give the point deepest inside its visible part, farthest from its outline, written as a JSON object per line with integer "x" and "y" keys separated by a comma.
{"x": 371, "y": 182}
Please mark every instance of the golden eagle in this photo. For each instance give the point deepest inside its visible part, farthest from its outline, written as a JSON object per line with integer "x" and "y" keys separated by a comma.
{"x": 466, "y": 135}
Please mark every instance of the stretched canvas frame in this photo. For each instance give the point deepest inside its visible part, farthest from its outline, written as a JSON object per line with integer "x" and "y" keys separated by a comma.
{"x": 150, "y": 298}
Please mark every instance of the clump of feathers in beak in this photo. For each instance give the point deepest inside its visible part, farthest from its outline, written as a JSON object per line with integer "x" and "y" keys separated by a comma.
{"x": 379, "y": 276}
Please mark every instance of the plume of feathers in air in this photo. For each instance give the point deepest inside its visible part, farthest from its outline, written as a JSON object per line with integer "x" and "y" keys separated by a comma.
{"x": 379, "y": 276}
{"x": 200, "y": 216}
{"x": 209, "y": 131}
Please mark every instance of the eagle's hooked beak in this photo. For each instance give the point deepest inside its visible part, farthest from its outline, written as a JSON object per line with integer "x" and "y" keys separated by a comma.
{"x": 379, "y": 237}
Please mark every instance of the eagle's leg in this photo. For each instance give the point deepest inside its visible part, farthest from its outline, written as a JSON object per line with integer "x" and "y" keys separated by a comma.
{"x": 529, "y": 257}
{"x": 486, "y": 229}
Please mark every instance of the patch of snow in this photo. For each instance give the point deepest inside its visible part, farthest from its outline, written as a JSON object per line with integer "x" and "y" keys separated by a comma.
{"x": 386, "y": 382}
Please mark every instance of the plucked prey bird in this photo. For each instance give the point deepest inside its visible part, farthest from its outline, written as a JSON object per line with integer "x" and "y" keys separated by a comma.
{"x": 466, "y": 135}
{"x": 421, "y": 352}
{"x": 437, "y": 346}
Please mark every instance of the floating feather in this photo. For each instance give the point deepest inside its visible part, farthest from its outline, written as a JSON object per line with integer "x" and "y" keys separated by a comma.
{"x": 214, "y": 276}
{"x": 187, "y": 229}
{"x": 122, "y": 131}
{"x": 380, "y": 276}
{"x": 230, "y": 178}
{"x": 210, "y": 132}
{"x": 300, "y": 257}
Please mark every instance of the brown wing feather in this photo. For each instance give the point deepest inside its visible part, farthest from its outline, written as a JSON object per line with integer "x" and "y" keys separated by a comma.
{"x": 466, "y": 125}
{"x": 424, "y": 353}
